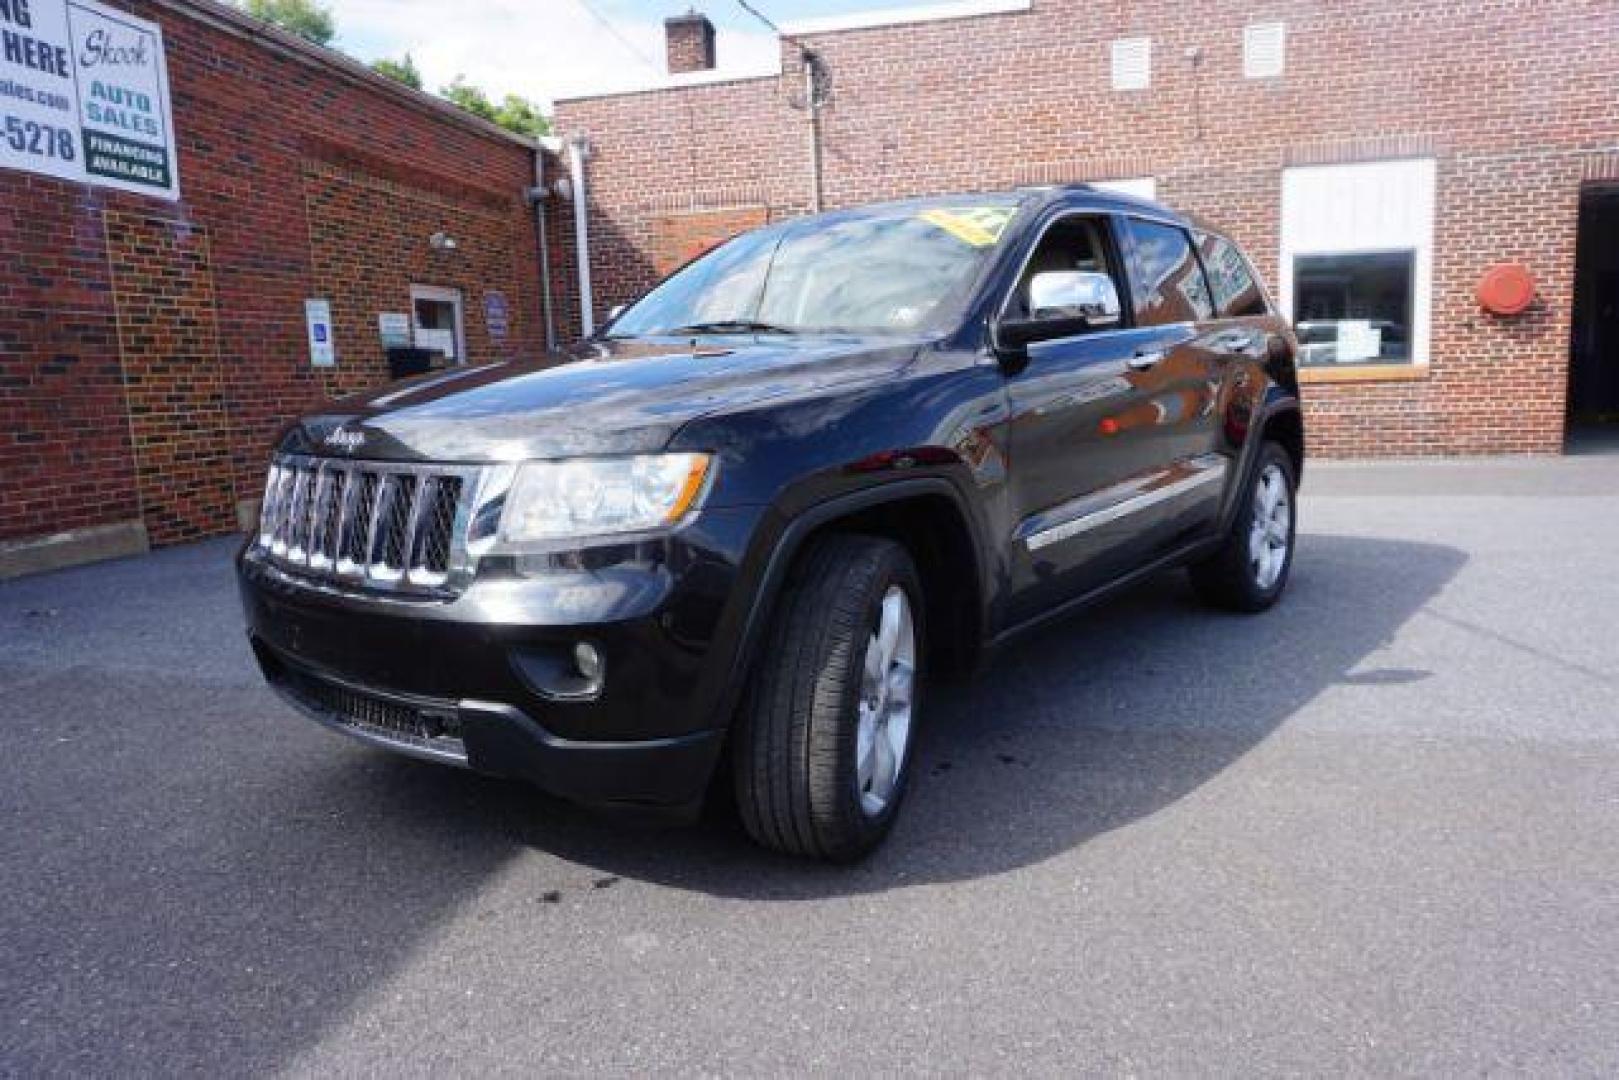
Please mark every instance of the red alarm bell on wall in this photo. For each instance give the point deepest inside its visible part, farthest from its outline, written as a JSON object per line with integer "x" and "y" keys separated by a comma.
{"x": 1506, "y": 289}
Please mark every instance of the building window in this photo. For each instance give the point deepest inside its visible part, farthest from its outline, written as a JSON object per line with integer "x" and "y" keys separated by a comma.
{"x": 1357, "y": 262}
{"x": 437, "y": 322}
{"x": 1354, "y": 308}
{"x": 1264, "y": 50}
{"x": 1132, "y": 63}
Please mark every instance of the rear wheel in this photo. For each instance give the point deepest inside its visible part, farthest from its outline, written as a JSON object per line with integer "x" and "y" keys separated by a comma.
{"x": 1250, "y": 570}
{"x": 823, "y": 743}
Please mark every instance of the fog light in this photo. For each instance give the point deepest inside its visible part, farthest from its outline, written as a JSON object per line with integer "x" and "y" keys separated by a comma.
{"x": 587, "y": 660}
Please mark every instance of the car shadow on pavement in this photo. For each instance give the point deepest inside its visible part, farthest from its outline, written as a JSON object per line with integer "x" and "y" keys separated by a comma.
{"x": 1074, "y": 731}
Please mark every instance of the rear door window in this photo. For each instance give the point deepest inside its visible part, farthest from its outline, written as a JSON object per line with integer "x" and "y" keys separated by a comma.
{"x": 1232, "y": 282}
{"x": 1173, "y": 288}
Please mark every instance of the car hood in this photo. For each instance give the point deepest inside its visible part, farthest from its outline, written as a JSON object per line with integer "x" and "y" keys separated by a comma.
{"x": 601, "y": 398}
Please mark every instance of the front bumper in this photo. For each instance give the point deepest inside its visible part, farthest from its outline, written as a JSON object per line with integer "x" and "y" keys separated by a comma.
{"x": 473, "y": 680}
{"x": 500, "y": 740}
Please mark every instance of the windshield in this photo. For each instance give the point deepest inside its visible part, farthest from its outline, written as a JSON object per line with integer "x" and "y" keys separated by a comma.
{"x": 900, "y": 269}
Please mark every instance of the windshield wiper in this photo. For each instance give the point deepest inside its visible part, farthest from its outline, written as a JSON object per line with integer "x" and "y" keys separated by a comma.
{"x": 732, "y": 326}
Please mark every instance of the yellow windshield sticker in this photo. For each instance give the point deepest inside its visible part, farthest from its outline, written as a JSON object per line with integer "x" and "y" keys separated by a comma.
{"x": 977, "y": 226}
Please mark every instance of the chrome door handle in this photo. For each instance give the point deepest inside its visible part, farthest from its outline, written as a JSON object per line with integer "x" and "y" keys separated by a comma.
{"x": 1145, "y": 359}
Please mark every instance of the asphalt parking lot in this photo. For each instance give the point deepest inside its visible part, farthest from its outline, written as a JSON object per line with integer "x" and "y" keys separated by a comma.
{"x": 1373, "y": 831}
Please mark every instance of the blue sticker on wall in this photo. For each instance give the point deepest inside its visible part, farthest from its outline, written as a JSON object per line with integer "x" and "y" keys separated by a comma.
{"x": 494, "y": 314}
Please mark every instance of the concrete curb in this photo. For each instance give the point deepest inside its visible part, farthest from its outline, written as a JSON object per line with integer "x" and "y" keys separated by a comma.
{"x": 39, "y": 554}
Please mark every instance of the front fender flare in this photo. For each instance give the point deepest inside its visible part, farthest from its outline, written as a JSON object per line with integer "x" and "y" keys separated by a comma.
{"x": 789, "y": 541}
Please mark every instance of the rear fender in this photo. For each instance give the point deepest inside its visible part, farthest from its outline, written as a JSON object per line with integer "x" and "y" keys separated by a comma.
{"x": 1278, "y": 403}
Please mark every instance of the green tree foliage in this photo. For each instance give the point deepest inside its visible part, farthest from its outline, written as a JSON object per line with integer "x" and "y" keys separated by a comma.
{"x": 521, "y": 115}
{"x": 306, "y": 18}
{"x": 403, "y": 71}
{"x": 513, "y": 113}
{"x": 312, "y": 21}
{"x": 469, "y": 97}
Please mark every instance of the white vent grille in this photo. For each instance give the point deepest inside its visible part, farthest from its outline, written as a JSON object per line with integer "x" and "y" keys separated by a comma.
{"x": 1132, "y": 63}
{"x": 1264, "y": 50}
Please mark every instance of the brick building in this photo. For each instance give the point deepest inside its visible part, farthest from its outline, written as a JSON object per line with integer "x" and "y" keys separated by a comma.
{"x": 151, "y": 345}
{"x": 1376, "y": 158}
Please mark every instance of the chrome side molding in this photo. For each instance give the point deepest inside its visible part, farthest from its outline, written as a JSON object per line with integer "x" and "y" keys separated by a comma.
{"x": 1122, "y": 500}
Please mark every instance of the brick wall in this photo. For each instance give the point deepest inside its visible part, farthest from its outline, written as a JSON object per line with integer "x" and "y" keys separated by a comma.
{"x": 1513, "y": 98}
{"x": 174, "y": 376}
{"x": 368, "y": 243}
{"x": 680, "y": 237}
{"x": 300, "y": 180}
{"x": 717, "y": 147}
{"x": 65, "y": 455}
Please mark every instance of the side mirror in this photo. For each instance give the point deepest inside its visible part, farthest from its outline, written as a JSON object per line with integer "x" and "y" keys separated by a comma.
{"x": 1062, "y": 303}
{"x": 1067, "y": 294}
{"x": 618, "y": 309}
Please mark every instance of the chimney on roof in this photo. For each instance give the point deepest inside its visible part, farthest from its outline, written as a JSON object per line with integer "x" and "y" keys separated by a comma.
{"x": 690, "y": 41}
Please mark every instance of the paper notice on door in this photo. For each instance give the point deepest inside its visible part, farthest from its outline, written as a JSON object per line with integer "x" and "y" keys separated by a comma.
{"x": 1358, "y": 340}
{"x": 441, "y": 340}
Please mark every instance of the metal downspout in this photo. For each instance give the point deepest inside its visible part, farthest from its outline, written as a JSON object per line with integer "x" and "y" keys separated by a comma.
{"x": 812, "y": 106}
{"x": 538, "y": 197}
{"x": 578, "y": 152}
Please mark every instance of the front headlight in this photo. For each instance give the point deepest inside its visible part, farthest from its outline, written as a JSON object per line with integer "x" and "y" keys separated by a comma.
{"x": 551, "y": 500}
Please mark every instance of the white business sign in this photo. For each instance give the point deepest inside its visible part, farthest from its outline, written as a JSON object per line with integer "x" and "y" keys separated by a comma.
{"x": 84, "y": 96}
{"x": 318, "y": 320}
{"x": 394, "y": 326}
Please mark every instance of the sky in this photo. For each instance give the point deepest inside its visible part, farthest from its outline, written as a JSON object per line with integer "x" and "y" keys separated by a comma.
{"x": 544, "y": 49}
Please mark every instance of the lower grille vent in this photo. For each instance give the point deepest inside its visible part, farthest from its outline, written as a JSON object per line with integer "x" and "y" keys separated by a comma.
{"x": 436, "y": 731}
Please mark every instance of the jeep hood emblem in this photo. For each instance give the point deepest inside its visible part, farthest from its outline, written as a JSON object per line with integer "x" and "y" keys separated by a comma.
{"x": 349, "y": 441}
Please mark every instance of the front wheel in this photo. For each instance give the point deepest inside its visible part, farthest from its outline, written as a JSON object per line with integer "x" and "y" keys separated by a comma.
{"x": 1249, "y": 571}
{"x": 822, "y": 746}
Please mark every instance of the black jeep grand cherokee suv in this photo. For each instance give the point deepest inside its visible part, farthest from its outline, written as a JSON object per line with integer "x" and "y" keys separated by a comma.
{"x": 764, "y": 506}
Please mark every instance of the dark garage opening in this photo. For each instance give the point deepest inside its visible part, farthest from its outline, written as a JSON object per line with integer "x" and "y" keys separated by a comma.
{"x": 1593, "y": 382}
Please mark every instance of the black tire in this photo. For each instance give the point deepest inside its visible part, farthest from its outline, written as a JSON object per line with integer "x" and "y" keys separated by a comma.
{"x": 795, "y": 741}
{"x": 1232, "y": 578}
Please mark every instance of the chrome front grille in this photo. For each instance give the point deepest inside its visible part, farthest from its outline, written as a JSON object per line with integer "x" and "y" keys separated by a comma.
{"x": 366, "y": 524}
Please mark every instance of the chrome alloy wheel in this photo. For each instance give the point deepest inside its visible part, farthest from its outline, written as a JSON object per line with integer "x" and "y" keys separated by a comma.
{"x": 1272, "y": 529}
{"x": 886, "y": 689}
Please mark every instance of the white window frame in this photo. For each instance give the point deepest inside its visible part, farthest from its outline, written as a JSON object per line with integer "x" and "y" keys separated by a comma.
{"x": 445, "y": 295}
{"x": 1364, "y": 208}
